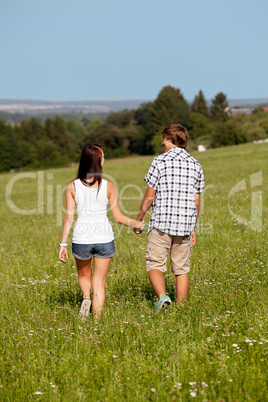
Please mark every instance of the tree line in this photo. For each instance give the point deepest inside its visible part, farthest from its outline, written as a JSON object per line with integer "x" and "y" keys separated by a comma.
{"x": 58, "y": 142}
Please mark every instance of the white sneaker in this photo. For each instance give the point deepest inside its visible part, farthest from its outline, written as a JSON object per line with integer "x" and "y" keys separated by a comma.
{"x": 85, "y": 309}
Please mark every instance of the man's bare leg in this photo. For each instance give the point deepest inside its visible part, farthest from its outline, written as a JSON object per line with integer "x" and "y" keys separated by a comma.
{"x": 182, "y": 288}
{"x": 158, "y": 282}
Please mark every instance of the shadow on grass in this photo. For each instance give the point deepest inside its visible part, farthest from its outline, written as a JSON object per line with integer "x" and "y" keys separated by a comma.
{"x": 66, "y": 297}
{"x": 128, "y": 288}
{"x": 136, "y": 288}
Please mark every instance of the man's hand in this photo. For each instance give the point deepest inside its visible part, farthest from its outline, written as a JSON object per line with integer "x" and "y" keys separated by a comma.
{"x": 139, "y": 231}
{"x": 193, "y": 239}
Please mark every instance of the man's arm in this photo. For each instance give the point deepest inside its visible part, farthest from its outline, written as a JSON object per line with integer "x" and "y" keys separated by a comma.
{"x": 197, "y": 197}
{"x": 146, "y": 204}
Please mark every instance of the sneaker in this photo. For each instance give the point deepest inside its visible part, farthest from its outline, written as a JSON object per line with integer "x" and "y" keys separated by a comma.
{"x": 85, "y": 308}
{"x": 164, "y": 302}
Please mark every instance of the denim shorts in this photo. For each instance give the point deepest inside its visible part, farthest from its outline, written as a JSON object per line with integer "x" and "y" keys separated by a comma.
{"x": 99, "y": 250}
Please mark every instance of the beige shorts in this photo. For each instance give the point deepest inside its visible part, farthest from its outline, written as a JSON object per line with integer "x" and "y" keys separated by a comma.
{"x": 158, "y": 246}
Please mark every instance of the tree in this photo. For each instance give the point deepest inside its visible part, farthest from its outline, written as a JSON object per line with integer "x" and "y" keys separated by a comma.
{"x": 143, "y": 120}
{"x": 58, "y": 133}
{"x": 219, "y": 109}
{"x": 169, "y": 107}
{"x": 94, "y": 124}
{"x": 120, "y": 119}
{"x": 28, "y": 134}
{"x": 264, "y": 124}
{"x": 228, "y": 133}
{"x": 133, "y": 139}
{"x": 9, "y": 155}
{"x": 199, "y": 104}
{"x": 199, "y": 126}
{"x": 85, "y": 121}
{"x": 110, "y": 137}
{"x": 253, "y": 131}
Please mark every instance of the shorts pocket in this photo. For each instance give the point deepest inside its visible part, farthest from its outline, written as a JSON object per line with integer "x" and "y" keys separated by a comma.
{"x": 149, "y": 252}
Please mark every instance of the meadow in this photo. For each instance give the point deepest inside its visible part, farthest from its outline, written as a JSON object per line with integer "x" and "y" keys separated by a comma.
{"x": 214, "y": 348}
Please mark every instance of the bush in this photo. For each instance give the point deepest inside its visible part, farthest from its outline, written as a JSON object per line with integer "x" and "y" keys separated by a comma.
{"x": 228, "y": 133}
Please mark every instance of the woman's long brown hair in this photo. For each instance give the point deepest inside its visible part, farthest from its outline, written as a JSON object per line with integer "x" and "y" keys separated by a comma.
{"x": 90, "y": 165}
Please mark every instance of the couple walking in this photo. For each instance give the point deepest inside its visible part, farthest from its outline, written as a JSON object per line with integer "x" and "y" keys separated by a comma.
{"x": 175, "y": 181}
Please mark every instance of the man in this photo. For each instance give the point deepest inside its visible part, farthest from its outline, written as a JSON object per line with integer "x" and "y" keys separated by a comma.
{"x": 175, "y": 181}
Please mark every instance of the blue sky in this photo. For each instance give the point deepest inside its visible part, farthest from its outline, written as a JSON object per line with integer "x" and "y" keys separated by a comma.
{"x": 130, "y": 49}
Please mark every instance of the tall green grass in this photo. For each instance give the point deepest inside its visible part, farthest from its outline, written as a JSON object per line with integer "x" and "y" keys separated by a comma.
{"x": 212, "y": 349}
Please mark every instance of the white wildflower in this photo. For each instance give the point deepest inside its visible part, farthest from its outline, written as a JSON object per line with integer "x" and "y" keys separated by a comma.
{"x": 193, "y": 384}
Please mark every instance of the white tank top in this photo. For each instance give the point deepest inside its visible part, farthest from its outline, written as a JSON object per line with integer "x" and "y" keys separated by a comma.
{"x": 92, "y": 225}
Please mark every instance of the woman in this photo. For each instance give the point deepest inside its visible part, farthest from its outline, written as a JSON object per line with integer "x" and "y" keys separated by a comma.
{"x": 92, "y": 236}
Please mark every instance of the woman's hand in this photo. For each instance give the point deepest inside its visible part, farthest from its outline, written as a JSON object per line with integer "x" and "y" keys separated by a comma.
{"x": 141, "y": 229}
{"x": 63, "y": 253}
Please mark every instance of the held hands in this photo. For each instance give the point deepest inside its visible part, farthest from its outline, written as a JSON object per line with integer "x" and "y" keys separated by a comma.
{"x": 140, "y": 230}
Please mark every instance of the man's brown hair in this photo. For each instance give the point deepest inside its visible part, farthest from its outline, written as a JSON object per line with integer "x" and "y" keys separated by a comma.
{"x": 177, "y": 134}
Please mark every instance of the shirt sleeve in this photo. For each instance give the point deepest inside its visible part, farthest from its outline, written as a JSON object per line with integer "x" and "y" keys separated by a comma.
{"x": 152, "y": 176}
{"x": 199, "y": 183}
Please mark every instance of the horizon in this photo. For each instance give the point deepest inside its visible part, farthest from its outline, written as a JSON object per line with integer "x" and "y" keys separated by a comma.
{"x": 113, "y": 99}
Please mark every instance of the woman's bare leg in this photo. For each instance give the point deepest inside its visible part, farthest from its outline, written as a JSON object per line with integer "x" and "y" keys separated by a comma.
{"x": 101, "y": 266}
{"x": 84, "y": 276}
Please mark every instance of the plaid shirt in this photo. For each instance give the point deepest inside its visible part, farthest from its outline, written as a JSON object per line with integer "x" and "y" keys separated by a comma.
{"x": 176, "y": 176}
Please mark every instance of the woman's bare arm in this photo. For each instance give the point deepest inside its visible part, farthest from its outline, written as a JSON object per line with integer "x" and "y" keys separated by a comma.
{"x": 68, "y": 220}
{"x": 117, "y": 214}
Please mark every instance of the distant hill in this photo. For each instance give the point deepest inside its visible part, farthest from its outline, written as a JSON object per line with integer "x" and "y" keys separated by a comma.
{"x": 18, "y": 109}
{"x": 34, "y": 107}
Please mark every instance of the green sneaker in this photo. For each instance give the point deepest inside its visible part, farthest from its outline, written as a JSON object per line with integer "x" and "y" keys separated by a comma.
{"x": 164, "y": 302}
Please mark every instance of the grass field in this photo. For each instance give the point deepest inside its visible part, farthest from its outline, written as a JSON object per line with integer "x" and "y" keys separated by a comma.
{"x": 215, "y": 348}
